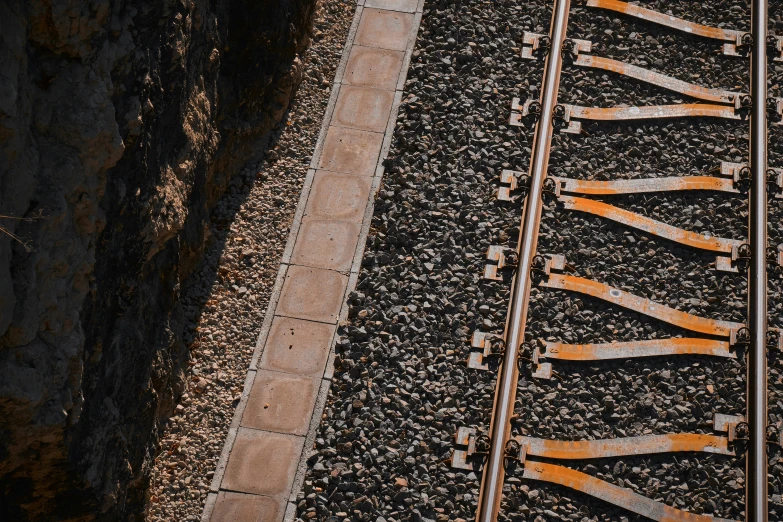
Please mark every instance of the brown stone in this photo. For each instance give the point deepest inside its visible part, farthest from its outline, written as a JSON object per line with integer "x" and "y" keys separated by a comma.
{"x": 373, "y": 67}
{"x": 338, "y": 196}
{"x": 240, "y": 507}
{"x": 326, "y": 244}
{"x": 262, "y": 463}
{"x": 312, "y": 293}
{"x": 363, "y": 108}
{"x": 384, "y": 29}
{"x": 352, "y": 151}
{"x": 280, "y": 402}
{"x": 296, "y": 346}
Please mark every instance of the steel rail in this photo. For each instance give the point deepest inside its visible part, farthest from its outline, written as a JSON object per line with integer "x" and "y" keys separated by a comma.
{"x": 716, "y": 33}
{"x": 656, "y": 78}
{"x": 639, "y": 186}
{"x": 506, "y": 387}
{"x": 756, "y": 508}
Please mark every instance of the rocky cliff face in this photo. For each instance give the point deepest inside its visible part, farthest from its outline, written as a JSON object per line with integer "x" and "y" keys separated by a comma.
{"x": 121, "y": 123}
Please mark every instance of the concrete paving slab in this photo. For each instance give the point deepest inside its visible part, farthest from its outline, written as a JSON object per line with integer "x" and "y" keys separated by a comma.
{"x": 297, "y": 346}
{"x": 241, "y": 507}
{"x": 326, "y": 244}
{"x": 351, "y": 151}
{"x": 281, "y": 402}
{"x": 363, "y": 108}
{"x": 262, "y": 463}
{"x": 338, "y": 196}
{"x": 373, "y": 67}
{"x": 407, "y": 6}
{"x": 312, "y": 293}
{"x": 384, "y": 29}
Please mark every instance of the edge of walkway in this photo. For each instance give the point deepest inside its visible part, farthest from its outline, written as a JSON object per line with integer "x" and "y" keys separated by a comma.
{"x": 263, "y": 463}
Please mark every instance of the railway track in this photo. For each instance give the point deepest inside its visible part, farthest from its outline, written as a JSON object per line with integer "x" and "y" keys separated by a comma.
{"x": 542, "y": 272}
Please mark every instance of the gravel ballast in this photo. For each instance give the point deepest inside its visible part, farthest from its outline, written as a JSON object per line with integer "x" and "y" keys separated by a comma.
{"x": 401, "y": 386}
{"x": 226, "y": 300}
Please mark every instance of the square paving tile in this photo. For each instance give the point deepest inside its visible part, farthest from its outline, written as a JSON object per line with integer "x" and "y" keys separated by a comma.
{"x": 363, "y": 108}
{"x": 262, "y": 463}
{"x": 296, "y": 346}
{"x": 338, "y": 196}
{"x": 384, "y": 29}
{"x": 408, "y": 6}
{"x": 280, "y": 402}
{"x": 312, "y": 293}
{"x": 326, "y": 244}
{"x": 372, "y": 67}
{"x": 240, "y": 507}
{"x": 351, "y": 151}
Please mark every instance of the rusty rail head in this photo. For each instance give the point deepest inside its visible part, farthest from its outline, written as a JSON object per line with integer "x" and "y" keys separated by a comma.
{"x": 616, "y": 495}
{"x": 642, "y": 305}
{"x": 715, "y": 33}
{"x": 634, "y": 349}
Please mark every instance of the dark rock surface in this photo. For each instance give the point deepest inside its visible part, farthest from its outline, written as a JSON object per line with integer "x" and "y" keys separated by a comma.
{"x": 121, "y": 125}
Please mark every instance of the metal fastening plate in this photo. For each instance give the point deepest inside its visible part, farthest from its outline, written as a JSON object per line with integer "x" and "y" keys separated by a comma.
{"x": 555, "y": 262}
{"x": 480, "y": 342}
{"x": 494, "y": 253}
{"x": 728, "y": 168}
{"x": 723, "y": 264}
{"x": 543, "y": 371}
{"x": 778, "y": 181}
{"x": 733, "y": 48}
{"x": 466, "y": 440}
{"x": 509, "y": 178}
{"x": 778, "y": 102}
{"x": 531, "y": 42}
{"x": 726, "y": 423}
{"x": 581, "y": 46}
{"x": 523, "y": 107}
{"x": 777, "y": 332}
{"x": 518, "y": 111}
{"x": 778, "y": 55}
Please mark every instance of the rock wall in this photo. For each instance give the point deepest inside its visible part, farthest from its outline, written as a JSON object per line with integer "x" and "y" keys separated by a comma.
{"x": 121, "y": 123}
